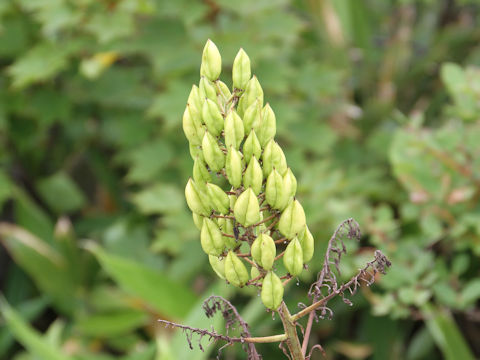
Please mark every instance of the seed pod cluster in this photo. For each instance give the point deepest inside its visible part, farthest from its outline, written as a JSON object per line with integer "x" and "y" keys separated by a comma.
{"x": 242, "y": 192}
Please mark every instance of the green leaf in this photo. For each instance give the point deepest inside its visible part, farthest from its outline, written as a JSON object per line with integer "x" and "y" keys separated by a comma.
{"x": 112, "y": 324}
{"x": 41, "y": 63}
{"x": 29, "y": 337}
{"x": 159, "y": 199}
{"x": 28, "y": 310}
{"x": 61, "y": 193}
{"x": 446, "y": 334}
{"x": 158, "y": 291}
{"x": 43, "y": 263}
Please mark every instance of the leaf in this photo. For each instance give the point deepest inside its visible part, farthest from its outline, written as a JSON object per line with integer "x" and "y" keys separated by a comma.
{"x": 29, "y": 337}
{"x": 113, "y": 323}
{"x": 446, "y": 334}
{"x": 159, "y": 199}
{"x": 158, "y": 291}
{"x": 28, "y": 310}
{"x": 40, "y": 63}
{"x": 61, "y": 193}
{"x": 178, "y": 347}
{"x": 43, "y": 263}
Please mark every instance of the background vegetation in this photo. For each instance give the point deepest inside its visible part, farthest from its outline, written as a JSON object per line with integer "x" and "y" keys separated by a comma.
{"x": 377, "y": 106}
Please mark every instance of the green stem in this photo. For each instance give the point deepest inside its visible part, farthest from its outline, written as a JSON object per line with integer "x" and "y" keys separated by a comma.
{"x": 266, "y": 339}
{"x": 293, "y": 343}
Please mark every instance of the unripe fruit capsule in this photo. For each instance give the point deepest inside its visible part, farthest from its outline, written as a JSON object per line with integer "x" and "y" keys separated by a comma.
{"x": 272, "y": 291}
{"x": 235, "y": 271}
{"x": 211, "y": 61}
{"x": 247, "y": 209}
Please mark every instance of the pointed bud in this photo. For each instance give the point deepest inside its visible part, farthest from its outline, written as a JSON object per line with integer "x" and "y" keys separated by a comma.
{"x": 272, "y": 291}
{"x": 200, "y": 172}
{"x": 292, "y": 220}
{"x": 212, "y": 117}
{"x": 194, "y": 98}
{"x": 223, "y": 92}
{"x": 268, "y": 126}
{"x": 226, "y": 227}
{"x": 251, "y": 147}
{"x": 253, "y": 116}
{"x": 263, "y": 251}
{"x": 235, "y": 271}
{"x": 192, "y": 125}
{"x": 218, "y": 199}
{"x": 206, "y": 90}
{"x": 307, "y": 243}
{"x": 293, "y": 257}
{"x": 211, "y": 238}
{"x": 273, "y": 157}
{"x": 290, "y": 183}
{"x": 234, "y": 166}
{"x": 247, "y": 210}
{"x": 253, "y": 176}
{"x": 241, "y": 71}
{"x": 253, "y": 90}
{"x": 218, "y": 265}
{"x": 211, "y": 61}
{"x": 276, "y": 194}
{"x": 234, "y": 131}
{"x": 212, "y": 153}
{"x": 195, "y": 200}
{"x": 197, "y": 220}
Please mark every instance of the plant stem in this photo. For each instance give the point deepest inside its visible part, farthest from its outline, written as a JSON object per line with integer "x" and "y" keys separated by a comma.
{"x": 293, "y": 343}
{"x": 266, "y": 339}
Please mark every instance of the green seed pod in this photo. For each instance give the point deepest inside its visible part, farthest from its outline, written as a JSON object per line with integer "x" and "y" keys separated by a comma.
{"x": 195, "y": 200}
{"x": 234, "y": 166}
{"x": 200, "y": 172}
{"x": 253, "y": 90}
{"x": 197, "y": 220}
{"x": 211, "y": 238}
{"x": 218, "y": 265}
{"x": 218, "y": 199}
{"x": 273, "y": 157}
{"x": 196, "y": 152}
{"x": 241, "y": 71}
{"x": 247, "y": 210}
{"x": 234, "y": 131}
{"x": 206, "y": 90}
{"x": 233, "y": 199}
{"x": 212, "y": 117}
{"x": 272, "y": 291}
{"x": 194, "y": 98}
{"x": 252, "y": 147}
{"x": 292, "y": 220}
{"x": 252, "y": 117}
{"x": 268, "y": 126}
{"x": 212, "y": 153}
{"x": 235, "y": 272}
{"x": 276, "y": 194}
{"x": 290, "y": 183}
{"x": 263, "y": 251}
{"x": 254, "y": 273}
{"x": 293, "y": 257}
{"x": 223, "y": 92}
{"x": 192, "y": 125}
{"x": 307, "y": 243}
{"x": 211, "y": 61}
{"x": 253, "y": 176}
{"x": 226, "y": 226}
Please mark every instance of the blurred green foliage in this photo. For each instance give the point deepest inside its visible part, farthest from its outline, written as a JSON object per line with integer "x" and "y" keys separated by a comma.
{"x": 377, "y": 107}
